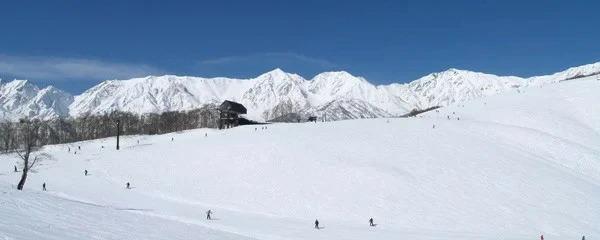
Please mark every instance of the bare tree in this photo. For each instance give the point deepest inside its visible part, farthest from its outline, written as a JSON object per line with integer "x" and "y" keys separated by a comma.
{"x": 28, "y": 132}
{"x": 6, "y": 129}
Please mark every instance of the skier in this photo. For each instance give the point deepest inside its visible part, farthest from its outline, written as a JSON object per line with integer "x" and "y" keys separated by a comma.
{"x": 583, "y": 238}
{"x": 208, "y": 213}
{"x": 128, "y": 186}
{"x": 316, "y": 223}
{"x": 85, "y": 172}
{"x": 44, "y": 186}
{"x": 16, "y": 168}
{"x": 371, "y": 222}
{"x": 172, "y": 139}
{"x": 542, "y": 237}
{"x": 433, "y": 125}
{"x": 79, "y": 147}
{"x": 205, "y": 134}
{"x": 69, "y": 149}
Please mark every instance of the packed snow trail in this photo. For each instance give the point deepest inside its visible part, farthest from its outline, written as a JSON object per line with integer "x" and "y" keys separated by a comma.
{"x": 37, "y": 215}
{"x": 514, "y": 166}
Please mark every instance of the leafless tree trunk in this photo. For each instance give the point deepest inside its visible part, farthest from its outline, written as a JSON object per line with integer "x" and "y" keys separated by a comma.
{"x": 29, "y": 132}
{"x": 26, "y": 167}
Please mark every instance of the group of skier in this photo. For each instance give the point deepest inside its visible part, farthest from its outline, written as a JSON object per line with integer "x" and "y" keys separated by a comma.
{"x": 542, "y": 237}
{"x": 371, "y": 224}
{"x": 210, "y": 212}
{"x": 85, "y": 172}
{"x": 261, "y": 128}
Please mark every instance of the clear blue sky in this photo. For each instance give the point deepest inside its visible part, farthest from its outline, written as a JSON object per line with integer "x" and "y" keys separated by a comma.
{"x": 76, "y": 44}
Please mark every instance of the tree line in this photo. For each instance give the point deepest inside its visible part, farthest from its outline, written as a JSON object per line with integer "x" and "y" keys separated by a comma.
{"x": 18, "y": 135}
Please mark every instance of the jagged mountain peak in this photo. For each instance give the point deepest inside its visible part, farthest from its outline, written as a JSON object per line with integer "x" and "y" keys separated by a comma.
{"x": 17, "y": 83}
{"x": 276, "y": 71}
{"x": 279, "y": 75}
{"x": 454, "y": 73}
{"x": 22, "y": 99}
{"x": 334, "y": 74}
{"x": 336, "y": 81}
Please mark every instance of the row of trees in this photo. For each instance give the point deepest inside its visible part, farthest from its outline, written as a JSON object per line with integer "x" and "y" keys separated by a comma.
{"x": 24, "y": 136}
{"x": 101, "y": 126}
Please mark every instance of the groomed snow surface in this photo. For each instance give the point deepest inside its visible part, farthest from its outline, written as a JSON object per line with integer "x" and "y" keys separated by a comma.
{"x": 516, "y": 165}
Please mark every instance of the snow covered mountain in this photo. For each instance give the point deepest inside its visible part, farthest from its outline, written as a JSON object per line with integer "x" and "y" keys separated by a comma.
{"x": 515, "y": 166}
{"x": 19, "y": 99}
{"x": 153, "y": 94}
{"x": 453, "y": 85}
{"x": 330, "y": 95}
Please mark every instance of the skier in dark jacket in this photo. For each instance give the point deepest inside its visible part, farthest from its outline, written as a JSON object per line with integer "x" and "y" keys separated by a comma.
{"x": 16, "y": 169}
{"x": 128, "y": 185}
{"x": 44, "y": 186}
{"x": 208, "y": 213}
{"x": 85, "y": 172}
{"x": 316, "y": 223}
{"x": 371, "y": 222}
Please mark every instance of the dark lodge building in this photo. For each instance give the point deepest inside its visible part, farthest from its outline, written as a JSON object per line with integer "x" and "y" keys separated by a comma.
{"x": 229, "y": 114}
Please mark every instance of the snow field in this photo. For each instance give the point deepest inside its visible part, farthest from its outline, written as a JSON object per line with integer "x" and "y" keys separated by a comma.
{"x": 514, "y": 166}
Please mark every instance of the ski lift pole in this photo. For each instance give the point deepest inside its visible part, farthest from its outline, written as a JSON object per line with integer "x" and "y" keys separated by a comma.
{"x": 118, "y": 132}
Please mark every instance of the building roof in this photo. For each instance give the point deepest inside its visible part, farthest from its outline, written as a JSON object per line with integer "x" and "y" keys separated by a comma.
{"x": 232, "y": 106}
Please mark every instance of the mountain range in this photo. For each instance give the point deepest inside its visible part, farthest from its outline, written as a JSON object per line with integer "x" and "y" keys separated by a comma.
{"x": 275, "y": 94}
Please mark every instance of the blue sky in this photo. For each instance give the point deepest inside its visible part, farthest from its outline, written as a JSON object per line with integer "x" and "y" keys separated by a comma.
{"x": 76, "y": 44}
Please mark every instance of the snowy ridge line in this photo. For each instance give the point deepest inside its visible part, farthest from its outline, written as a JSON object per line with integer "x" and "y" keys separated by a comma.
{"x": 328, "y": 95}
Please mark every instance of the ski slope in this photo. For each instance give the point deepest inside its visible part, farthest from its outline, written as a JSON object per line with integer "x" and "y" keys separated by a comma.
{"x": 516, "y": 165}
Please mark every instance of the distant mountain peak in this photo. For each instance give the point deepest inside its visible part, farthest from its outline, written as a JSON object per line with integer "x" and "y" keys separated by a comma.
{"x": 275, "y": 73}
{"x": 18, "y": 82}
{"x": 337, "y": 74}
